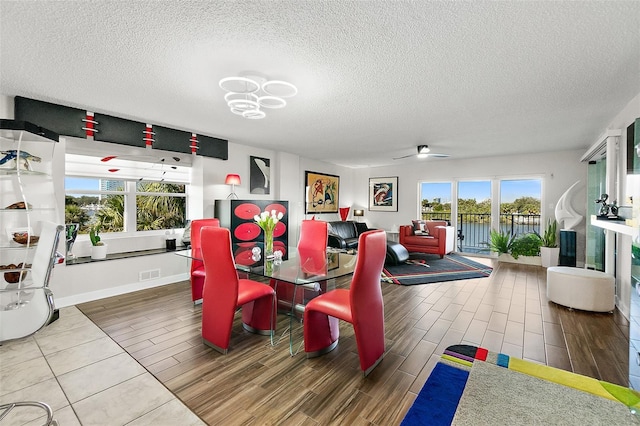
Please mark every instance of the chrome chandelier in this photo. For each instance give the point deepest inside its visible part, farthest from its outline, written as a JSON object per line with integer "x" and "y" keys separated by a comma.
{"x": 248, "y": 96}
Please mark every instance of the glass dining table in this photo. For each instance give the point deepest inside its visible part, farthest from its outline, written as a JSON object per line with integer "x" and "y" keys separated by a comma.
{"x": 297, "y": 277}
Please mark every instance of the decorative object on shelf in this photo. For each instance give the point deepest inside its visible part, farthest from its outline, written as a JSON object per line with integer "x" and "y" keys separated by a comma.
{"x": 256, "y": 254}
{"x": 25, "y": 238}
{"x": 247, "y": 95}
{"x": 15, "y": 276}
{"x": 344, "y": 213}
{"x": 20, "y": 205}
{"x": 268, "y": 221}
{"x": 259, "y": 175}
{"x": 566, "y": 216}
{"x": 321, "y": 192}
{"x": 170, "y": 239}
{"x": 607, "y": 211}
{"x": 233, "y": 180}
{"x": 99, "y": 248}
{"x": 71, "y": 232}
{"x": 383, "y": 194}
{"x": 23, "y": 162}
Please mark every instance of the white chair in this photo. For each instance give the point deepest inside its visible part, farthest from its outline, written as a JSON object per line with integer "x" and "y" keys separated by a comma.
{"x": 27, "y": 306}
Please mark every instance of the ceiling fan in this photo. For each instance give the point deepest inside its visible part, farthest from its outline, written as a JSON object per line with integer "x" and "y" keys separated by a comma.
{"x": 423, "y": 152}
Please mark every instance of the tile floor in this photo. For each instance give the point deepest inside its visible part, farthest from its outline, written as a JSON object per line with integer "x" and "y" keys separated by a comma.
{"x": 85, "y": 377}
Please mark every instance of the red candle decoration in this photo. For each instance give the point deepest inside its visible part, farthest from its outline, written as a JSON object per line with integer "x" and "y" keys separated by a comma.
{"x": 344, "y": 212}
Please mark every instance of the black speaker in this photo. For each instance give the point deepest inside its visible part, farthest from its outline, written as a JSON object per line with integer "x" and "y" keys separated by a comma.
{"x": 567, "y": 248}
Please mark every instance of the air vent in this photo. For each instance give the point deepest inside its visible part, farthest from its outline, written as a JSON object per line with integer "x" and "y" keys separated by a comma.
{"x": 151, "y": 274}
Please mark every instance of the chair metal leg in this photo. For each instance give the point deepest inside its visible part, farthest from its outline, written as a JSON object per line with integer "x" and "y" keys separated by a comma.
{"x": 217, "y": 348}
{"x": 323, "y": 350}
{"x": 375, "y": 364}
{"x": 5, "y": 409}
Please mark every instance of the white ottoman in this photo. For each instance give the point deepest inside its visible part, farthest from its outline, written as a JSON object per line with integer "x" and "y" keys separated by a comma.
{"x": 579, "y": 288}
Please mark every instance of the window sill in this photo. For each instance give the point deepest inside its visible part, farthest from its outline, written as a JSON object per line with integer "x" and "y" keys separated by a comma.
{"x": 125, "y": 255}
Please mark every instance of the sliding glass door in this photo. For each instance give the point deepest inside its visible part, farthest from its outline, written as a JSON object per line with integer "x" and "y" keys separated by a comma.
{"x": 595, "y": 248}
{"x": 474, "y": 215}
{"x": 474, "y": 210}
{"x": 435, "y": 201}
{"x": 520, "y": 205}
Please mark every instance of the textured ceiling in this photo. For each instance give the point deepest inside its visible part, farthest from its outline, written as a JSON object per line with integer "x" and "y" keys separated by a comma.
{"x": 375, "y": 79}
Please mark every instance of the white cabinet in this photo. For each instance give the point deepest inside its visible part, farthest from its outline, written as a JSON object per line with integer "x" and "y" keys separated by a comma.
{"x": 27, "y": 192}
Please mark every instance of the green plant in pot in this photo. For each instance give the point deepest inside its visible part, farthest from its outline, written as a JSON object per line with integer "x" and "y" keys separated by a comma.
{"x": 549, "y": 238}
{"x": 94, "y": 236}
{"x": 549, "y": 251}
{"x": 99, "y": 248}
{"x": 500, "y": 241}
{"x": 526, "y": 245}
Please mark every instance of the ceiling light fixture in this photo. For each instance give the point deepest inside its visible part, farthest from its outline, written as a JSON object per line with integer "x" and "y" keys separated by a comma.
{"x": 246, "y": 96}
{"x": 423, "y": 150}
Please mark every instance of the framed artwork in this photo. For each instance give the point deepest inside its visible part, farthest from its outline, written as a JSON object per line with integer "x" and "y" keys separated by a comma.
{"x": 259, "y": 175}
{"x": 321, "y": 192}
{"x": 383, "y": 194}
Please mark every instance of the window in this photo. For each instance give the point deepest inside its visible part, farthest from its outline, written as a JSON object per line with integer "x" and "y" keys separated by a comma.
{"x": 471, "y": 211}
{"x": 474, "y": 215}
{"x": 138, "y": 199}
{"x": 435, "y": 200}
{"x": 520, "y": 205}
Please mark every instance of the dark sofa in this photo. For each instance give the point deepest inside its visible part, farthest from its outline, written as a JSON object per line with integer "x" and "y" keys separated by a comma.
{"x": 344, "y": 234}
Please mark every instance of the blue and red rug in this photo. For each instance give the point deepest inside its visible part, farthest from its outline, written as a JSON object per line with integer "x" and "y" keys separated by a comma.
{"x": 429, "y": 268}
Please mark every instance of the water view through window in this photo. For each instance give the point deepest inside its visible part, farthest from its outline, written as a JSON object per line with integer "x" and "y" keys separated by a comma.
{"x": 519, "y": 201}
{"x": 156, "y": 205}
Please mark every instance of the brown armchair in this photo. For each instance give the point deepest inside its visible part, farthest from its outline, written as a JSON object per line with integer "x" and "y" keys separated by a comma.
{"x": 438, "y": 238}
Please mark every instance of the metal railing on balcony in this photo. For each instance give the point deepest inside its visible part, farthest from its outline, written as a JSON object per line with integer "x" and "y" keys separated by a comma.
{"x": 474, "y": 228}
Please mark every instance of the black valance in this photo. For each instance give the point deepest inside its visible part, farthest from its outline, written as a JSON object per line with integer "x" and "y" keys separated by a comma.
{"x": 79, "y": 123}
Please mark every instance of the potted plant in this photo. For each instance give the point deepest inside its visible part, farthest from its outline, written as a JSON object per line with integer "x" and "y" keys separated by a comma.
{"x": 549, "y": 250}
{"x": 500, "y": 242}
{"x": 99, "y": 248}
{"x": 526, "y": 245}
{"x": 523, "y": 248}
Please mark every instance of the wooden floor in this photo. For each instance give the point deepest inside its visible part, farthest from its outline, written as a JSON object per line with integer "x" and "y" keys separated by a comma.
{"x": 256, "y": 383}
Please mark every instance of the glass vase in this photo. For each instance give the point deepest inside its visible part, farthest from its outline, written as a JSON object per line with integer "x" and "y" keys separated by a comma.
{"x": 268, "y": 243}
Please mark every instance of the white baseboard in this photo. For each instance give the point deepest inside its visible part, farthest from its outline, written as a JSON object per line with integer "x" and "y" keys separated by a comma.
{"x": 115, "y": 291}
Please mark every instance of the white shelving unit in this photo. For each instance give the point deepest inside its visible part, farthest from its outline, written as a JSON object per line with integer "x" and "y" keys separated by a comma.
{"x": 27, "y": 192}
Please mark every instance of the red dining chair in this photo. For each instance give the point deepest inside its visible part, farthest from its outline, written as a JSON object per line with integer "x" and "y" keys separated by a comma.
{"x": 312, "y": 243}
{"x": 361, "y": 305}
{"x": 224, "y": 293}
{"x": 197, "y": 267}
{"x": 313, "y": 235}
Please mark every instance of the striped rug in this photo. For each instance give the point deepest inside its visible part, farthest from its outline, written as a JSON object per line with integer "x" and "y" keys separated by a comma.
{"x": 429, "y": 268}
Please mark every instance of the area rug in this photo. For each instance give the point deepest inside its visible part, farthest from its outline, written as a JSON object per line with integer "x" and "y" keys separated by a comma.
{"x": 429, "y": 268}
{"x": 474, "y": 386}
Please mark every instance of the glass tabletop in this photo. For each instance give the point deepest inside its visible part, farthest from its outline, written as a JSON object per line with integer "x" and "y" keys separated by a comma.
{"x": 295, "y": 267}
